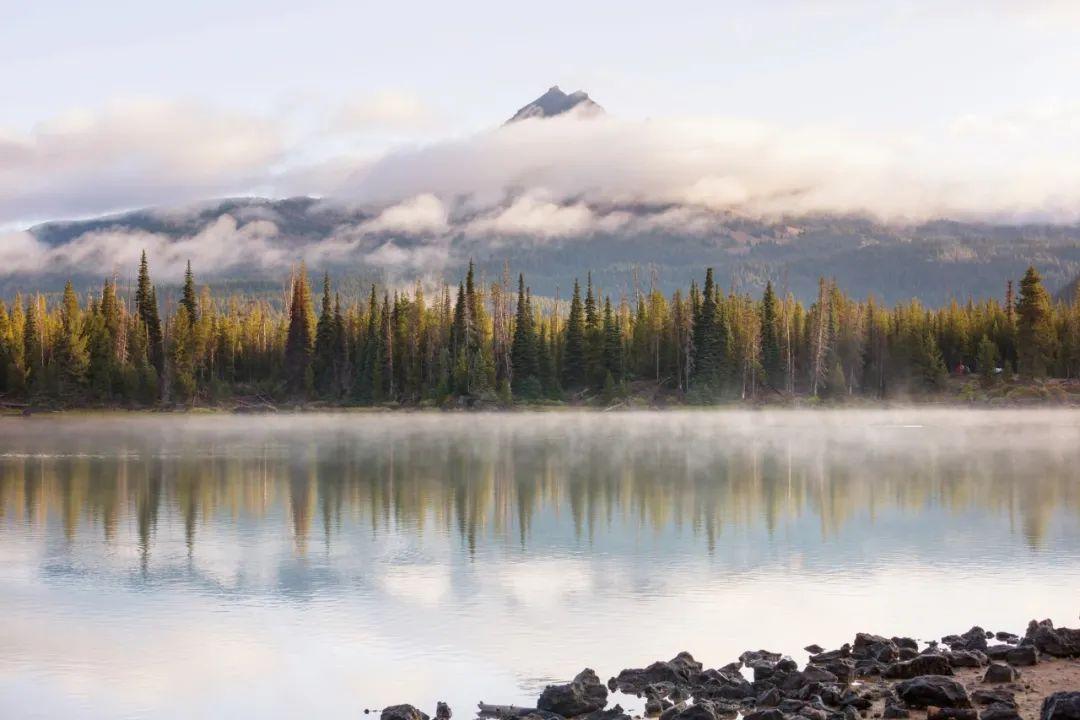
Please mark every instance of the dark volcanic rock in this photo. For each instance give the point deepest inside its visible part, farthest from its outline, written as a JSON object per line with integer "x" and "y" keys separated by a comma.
{"x": 905, "y": 642}
{"x": 824, "y": 657}
{"x": 921, "y": 665}
{"x": 874, "y": 647}
{"x": 894, "y": 711}
{"x": 818, "y": 674}
{"x": 749, "y": 658}
{"x": 583, "y": 694}
{"x": 769, "y": 698}
{"x": 672, "y": 711}
{"x": 1007, "y": 637}
{"x": 615, "y": 713}
{"x": 998, "y": 673}
{"x": 989, "y": 697}
{"x": 936, "y": 690}
{"x": 842, "y": 668}
{"x": 770, "y": 714}
{"x": 814, "y": 649}
{"x": 680, "y": 670}
{"x": 949, "y": 713}
{"x": 1061, "y": 706}
{"x": 967, "y": 658}
{"x": 1000, "y": 711}
{"x": 654, "y": 706}
{"x": 402, "y": 712}
{"x": 720, "y": 685}
{"x": 1059, "y": 642}
{"x": 998, "y": 652}
{"x": 1022, "y": 655}
{"x": 442, "y": 711}
{"x": 973, "y": 639}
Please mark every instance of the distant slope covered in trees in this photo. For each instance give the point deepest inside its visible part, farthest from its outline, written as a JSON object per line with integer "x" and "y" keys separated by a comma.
{"x": 496, "y": 342}
{"x": 933, "y": 262}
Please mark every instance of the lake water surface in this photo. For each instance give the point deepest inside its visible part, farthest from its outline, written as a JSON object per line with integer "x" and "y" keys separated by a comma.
{"x": 316, "y": 565}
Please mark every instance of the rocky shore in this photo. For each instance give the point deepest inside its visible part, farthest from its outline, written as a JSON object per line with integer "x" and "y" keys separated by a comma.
{"x": 976, "y": 675}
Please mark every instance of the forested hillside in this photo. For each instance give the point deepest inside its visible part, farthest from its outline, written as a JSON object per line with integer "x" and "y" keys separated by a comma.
{"x": 497, "y": 342}
{"x": 253, "y": 244}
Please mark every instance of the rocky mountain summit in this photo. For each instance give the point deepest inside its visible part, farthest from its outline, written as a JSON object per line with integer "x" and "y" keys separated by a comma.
{"x": 556, "y": 102}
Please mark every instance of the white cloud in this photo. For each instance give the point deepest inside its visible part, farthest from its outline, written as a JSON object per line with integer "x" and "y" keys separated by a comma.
{"x": 743, "y": 167}
{"x": 534, "y": 216}
{"x": 130, "y": 154}
{"x": 222, "y": 244}
{"x": 423, "y": 214}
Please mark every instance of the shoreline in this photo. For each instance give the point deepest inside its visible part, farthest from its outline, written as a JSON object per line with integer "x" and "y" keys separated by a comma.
{"x": 976, "y": 675}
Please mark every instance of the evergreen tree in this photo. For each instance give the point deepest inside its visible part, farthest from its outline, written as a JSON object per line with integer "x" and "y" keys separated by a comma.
{"x": 181, "y": 358}
{"x": 987, "y": 361}
{"x": 523, "y": 349}
{"x": 929, "y": 363}
{"x": 612, "y": 349}
{"x": 71, "y": 357}
{"x": 574, "y": 359}
{"x": 299, "y": 340}
{"x": 594, "y": 338}
{"x": 1036, "y": 336}
{"x": 146, "y": 307}
{"x": 771, "y": 360}
{"x": 187, "y": 298}
{"x": 707, "y": 359}
{"x": 324, "y": 361}
{"x": 342, "y": 368}
{"x": 34, "y": 345}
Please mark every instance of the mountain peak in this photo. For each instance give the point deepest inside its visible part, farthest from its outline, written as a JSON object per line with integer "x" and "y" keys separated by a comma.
{"x": 556, "y": 102}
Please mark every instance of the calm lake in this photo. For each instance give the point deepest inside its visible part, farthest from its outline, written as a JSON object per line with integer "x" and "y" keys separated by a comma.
{"x": 316, "y": 565}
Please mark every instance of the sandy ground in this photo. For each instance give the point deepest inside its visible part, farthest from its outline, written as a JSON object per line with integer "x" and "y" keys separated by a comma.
{"x": 1035, "y": 683}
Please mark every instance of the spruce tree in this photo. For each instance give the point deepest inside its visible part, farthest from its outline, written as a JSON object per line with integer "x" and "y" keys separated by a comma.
{"x": 187, "y": 298}
{"x": 34, "y": 345}
{"x": 930, "y": 370}
{"x": 342, "y": 369}
{"x": 986, "y": 364}
{"x": 146, "y": 306}
{"x": 299, "y": 341}
{"x": 181, "y": 358}
{"x": 705, "y": 376}
{"x": 523, "y": 349}
{"x": 71, "y": 357}
{"x": 771, "y": 360}
{"x": 1036, "y": 336}
{"x": 612, "y": 349}
{"x": 323, "y": 363}
{"x": 574, "y": 359}
{"x": 594, "y": 339}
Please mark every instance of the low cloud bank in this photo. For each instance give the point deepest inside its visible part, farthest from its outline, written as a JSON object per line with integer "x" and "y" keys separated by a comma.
{"x": 417, "y": 209}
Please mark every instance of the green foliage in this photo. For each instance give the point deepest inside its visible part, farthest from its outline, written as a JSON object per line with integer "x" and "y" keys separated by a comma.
{"x": 986, "y": 364}
{"x": 394, "y": 347}
{"x": 1036, "y": 338}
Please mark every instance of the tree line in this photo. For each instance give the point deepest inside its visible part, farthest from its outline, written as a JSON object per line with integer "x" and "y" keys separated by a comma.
{"x": 494, "y": 342}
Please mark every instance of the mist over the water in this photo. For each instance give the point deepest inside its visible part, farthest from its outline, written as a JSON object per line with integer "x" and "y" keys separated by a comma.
{"x": 363, "y": 559}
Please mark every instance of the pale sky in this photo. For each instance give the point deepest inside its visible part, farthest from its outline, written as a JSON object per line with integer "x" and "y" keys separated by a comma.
{"x": 265, "y": 93}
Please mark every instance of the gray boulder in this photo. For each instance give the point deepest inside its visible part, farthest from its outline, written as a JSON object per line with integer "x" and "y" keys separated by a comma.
{"x": 1061, "y": 706}
{"x": 936, "y": 690}
{"x": 584, "y": 694}
{"x": 402, "y": 712}
{"x": 921, "y": 665}
{"x": 1022, "y": 655}
{"x": 1000, "y": 711}
{"x": 998, "y": 673}
{"x": 1059, "y": 642}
